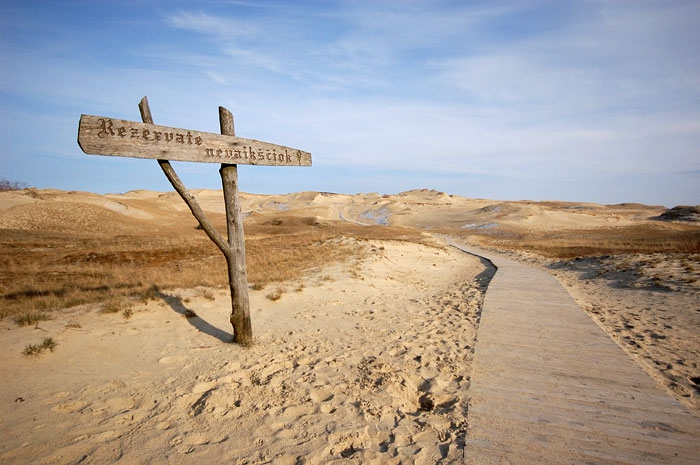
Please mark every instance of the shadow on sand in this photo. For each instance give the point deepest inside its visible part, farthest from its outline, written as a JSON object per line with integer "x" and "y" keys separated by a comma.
{"x": 192, "y": 318}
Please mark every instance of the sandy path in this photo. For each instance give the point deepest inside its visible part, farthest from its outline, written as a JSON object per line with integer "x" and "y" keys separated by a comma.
{"x": 369, "y": 363}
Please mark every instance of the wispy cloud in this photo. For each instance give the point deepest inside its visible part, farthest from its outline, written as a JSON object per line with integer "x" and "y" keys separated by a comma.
{"x": 506, "y": 94}
{"x": 204, "y": 23}
{"x": 469, "y": 89}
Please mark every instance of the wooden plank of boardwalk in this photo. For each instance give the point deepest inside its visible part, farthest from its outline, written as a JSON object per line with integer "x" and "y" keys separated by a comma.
{"x": 549, "y": 386}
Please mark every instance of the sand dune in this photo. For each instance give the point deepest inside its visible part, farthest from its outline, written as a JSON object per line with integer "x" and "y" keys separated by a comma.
{"x": 421, "y": 208}
{"x": 370, "y": 367}
{"x": 369, "y": 361}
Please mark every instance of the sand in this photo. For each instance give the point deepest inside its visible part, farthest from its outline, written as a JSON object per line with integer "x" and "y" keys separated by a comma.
{"x": 361, "y": 362}
{"x": 370, "y": 365}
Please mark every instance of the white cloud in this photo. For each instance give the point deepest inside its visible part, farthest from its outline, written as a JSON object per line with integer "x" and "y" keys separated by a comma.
{"x": 215, "y": 26}
{"x": 512, "y": 92}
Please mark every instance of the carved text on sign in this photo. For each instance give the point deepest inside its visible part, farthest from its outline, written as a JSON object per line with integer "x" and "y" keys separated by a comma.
{"x": 100, "y": 135}
{"x": 247, "y": 153}
{"x": 107, "y": 129}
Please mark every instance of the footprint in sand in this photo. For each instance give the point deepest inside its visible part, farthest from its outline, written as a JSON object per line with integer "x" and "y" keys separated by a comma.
{"x": 202, "y": 387}
{"x": 120, "y": 404}
{"x": 186, "y": 444}
{"x": 321, "y": 395}
{"x": 71, "y": 407}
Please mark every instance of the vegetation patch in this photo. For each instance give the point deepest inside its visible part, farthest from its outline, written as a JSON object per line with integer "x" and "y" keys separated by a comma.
{"x": 7, "y": 185}
{"x": 565, "y": 244}
{"x": 29, "y": 319}
{"x": 43, "y": 271}
{"x": 36, "y": 349}
{"x": 274, "y": 295}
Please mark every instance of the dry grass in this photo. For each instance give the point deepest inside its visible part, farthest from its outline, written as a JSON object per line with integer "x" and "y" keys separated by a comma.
{"x": 36, "y": 349}
{"x": 41, "y": 272}
{"x": 32, "y": 318}
{"x": 281, "y": 248}
{"x": 275, "y": 294}
{"x": 563, "y": 244}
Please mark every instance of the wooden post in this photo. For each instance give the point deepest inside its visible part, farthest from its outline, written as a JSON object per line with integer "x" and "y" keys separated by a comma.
{"x": 101, "y": 135}
{"x": 180, "y": 188}
{"x": 234, "y": 248}
{"x": 237, "y": 275}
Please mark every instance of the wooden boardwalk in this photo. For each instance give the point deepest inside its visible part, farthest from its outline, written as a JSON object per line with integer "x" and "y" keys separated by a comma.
{"x": 549, "y": 386}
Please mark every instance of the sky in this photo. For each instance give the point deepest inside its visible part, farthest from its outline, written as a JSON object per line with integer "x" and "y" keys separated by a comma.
{"x": 578, "y": 100}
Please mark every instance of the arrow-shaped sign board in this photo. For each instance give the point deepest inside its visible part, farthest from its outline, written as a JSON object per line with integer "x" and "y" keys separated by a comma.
{"x": 100, "y": 135}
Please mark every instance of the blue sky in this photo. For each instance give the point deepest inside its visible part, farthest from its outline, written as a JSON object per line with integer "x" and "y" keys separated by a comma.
{"x": 562, "y": 100}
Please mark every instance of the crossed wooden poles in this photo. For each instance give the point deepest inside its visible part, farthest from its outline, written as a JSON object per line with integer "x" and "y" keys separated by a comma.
{"x": 105, "y": 136}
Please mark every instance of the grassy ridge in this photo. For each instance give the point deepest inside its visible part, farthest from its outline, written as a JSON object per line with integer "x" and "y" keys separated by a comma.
{"x": 44, "y": 271}
{"x": 563, "y": 244}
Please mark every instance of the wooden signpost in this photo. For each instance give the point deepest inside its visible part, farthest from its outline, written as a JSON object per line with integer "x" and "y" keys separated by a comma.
{"x": 100, "y": 135}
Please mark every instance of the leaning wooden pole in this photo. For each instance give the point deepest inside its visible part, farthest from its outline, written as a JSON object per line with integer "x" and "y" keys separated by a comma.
{"x": 102, "y": 135}
{"x": 237, "y": 275}
{"x": 234, "y": 248}
{"x": 180, "y": 188}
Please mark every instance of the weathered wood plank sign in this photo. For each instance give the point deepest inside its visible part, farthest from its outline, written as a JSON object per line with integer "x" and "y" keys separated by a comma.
{"x": 99, "y": 135}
